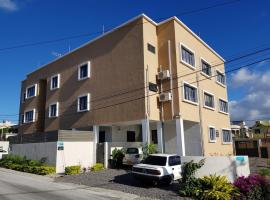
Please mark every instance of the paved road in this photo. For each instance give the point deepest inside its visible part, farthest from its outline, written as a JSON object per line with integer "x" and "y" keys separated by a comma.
{"x": 21, "y": 186}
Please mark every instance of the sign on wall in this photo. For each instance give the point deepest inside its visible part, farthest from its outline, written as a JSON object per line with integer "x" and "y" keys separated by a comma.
{"x": 60, "y": 145}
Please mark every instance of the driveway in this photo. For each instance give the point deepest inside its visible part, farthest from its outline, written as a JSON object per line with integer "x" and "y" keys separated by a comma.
{"x": 122, "y": 180}
{"x": 16, "y": 185}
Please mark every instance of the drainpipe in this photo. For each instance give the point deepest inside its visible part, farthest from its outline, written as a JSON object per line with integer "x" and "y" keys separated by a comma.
{"x": 200, "y": 114}
{"x": 171, "y": 79}
{"x": 162, "y": 116}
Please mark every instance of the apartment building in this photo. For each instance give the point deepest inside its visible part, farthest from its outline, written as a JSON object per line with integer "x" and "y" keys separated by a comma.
{"x": 141, "y": 82}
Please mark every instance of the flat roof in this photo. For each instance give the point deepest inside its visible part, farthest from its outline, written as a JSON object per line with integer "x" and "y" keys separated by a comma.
{"x": 124, "y": 24}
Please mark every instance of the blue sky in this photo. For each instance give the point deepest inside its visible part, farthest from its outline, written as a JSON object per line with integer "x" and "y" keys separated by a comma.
{"x": 231, "y": 29}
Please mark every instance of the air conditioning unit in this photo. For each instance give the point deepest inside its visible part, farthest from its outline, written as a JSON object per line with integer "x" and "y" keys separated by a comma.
{"x": 166, "y": 96}
{"x": 163, "y": 75}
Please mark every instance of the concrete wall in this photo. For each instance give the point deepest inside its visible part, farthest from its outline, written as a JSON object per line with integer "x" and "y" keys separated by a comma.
{"x": 229, "y": 166}
{"x": 193, "y": 143}
{"x": 75, "y": 153}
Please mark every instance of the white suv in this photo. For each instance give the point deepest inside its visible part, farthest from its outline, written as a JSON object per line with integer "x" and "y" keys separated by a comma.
{"x": 159, "y": 168}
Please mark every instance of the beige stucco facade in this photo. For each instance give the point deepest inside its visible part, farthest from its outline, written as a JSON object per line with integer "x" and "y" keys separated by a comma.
{"x": 121, "y": 67}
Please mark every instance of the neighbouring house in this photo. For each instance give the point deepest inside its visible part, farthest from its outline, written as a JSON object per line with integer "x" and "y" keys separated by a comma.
{"x": 261, "y": 127}
{"x": 7, "y": 129}
{"x": 240, "y": 129}
{"x": 142, "y": 82}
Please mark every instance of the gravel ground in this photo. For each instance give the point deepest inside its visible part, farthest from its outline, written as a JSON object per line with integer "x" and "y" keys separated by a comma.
{"x": 122, "y": 180}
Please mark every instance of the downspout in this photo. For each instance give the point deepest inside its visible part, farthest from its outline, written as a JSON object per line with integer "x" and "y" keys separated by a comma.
{"x": 200, "y": 114}
{"x": 162, "y": 115}
{"x": 171, "y": 79}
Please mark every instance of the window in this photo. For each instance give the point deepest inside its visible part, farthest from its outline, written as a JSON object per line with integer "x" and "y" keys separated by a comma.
{"x": 154, "y": 137}
{"x": 190, "y": 93}
{"x": 151, "y": 48}
{"x": 31, "y": 91}
{"x": 220, "y": 78}
{"x": 29, "y": 116}
{"x": 156, "y": 160}
{"x": 22, "y": 119}
{"x": 53, "y": 110}
{"x": 84, "y": 71}
{"x": 187, "y": 56}
{"x": 212, "y": 134}
{"x": 83, "y": 103}
{"x": 226, "y": 136}
{"x": 209, "y": 100}
{"x": 206, "y": 68}
{"x": 55, "y": 81}
{"x": 174, "y": 160}
{"x": 223, "y": 106}
{"x": 130, "y": 136}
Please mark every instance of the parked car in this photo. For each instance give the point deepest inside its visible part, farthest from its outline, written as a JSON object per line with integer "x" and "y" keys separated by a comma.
{"x": 133, "y": 155}
{"x": 157, "y": 168}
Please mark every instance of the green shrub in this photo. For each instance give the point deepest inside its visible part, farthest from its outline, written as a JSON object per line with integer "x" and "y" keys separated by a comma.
{"x": 189, "y": 184}
{"x": 149, "y": 149}
{"x": 117, "y": 158}
{"x": 216, "y": 187}
{"x": 72, "y": 170}
{"x": 23, "y": 164}
{"x": 264, "y": 172}
{"x": 97, "y": 167}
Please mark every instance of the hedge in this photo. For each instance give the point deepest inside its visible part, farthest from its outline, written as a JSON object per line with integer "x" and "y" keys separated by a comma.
{"x": 72, "y": 170}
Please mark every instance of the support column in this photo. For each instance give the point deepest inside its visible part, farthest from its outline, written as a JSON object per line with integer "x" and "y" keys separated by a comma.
{"x": 145, "y": 131}
{"x": 180, "y": 137}
{"x": 160, "y": 137}
{"x": 96, "y": 134}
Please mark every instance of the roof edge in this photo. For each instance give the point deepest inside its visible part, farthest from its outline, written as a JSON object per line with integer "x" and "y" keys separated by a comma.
{"x": 194, "y": 34}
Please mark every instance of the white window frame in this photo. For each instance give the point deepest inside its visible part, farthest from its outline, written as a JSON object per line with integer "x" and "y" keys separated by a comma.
{"x": 88, "y": 102}
{"x": 58, "y": 81}
{"x": 226, "y": 113}
{"x": 215, "y": 140}
{"x": 184, "y": 62}
{"x": 205, "y": 106}
{"x": 226, "y": 129}
{"x": 183, "y": 93}
{"x": 26, "y": 94}
{"x": 57, "y": 109}
{"x": 34, "y": 116}
{"x": 88, "y": 70}
{"x": 203, "y": 60}
{"x": 221, "y": 84}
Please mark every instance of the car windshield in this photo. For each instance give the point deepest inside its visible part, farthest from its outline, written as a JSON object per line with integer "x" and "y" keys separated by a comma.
{"x": 155, "y": 160}
{"x": 132, "y": 151}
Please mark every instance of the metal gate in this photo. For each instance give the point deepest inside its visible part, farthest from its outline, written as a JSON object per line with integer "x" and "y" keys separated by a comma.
{"x": 248, "y": 147}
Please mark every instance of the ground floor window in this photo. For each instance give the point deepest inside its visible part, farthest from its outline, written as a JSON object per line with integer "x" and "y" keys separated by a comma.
{"x": 130, "y": 136}
{"x": 226, "y": 136}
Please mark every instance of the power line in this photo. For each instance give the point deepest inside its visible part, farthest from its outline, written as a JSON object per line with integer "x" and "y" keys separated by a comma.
{"x": 101, "y": 32}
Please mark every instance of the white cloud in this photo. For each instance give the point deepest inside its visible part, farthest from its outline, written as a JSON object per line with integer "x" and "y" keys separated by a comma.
{"x": 8, "y": 5}
{"x": 255, "y": 104}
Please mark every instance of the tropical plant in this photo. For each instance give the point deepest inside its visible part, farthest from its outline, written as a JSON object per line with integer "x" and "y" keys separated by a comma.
{"x": 216, "y": 187}
{"x": 189, "y": 184}
{"x": 149, "y": 149}
{"x": 251, "y": 187}
{"x": 117, "y": 158}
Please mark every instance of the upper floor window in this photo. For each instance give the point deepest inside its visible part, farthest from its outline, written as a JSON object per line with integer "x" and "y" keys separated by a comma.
{"x": 31, "y": 91}
{"x": 209, "y": 101}
{"x": 190, "y": 93}
{"x": 187, "y": 56}
{"x": 29, "y": 116}
{"x": 223, "y": 106}
{"x": 84, "y": 71}
{"x": 55, "y": 81}
{"x": 151, "y": 48}
{"x": 53, "y": 110}
{"x": 206, "y": 68}
{"x": 221, "y": 77}
{"x": 226, "y": 136}
{"x": 212, "y": 134}
{"x": 83, "y": 103}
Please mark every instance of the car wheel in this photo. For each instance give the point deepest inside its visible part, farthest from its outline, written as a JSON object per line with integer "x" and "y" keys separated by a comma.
{"x": 170, "y": 180}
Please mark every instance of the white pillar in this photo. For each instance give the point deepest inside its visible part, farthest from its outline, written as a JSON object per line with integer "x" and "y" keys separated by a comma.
{"x": 96, "y": 134}
{"x": 145, "y": 131}
{"x": 160, "y": 137}
{"x": 180, "y": 137}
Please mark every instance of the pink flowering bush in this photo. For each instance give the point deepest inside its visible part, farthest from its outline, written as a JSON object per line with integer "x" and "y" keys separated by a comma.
{"x": 251, "y": 187}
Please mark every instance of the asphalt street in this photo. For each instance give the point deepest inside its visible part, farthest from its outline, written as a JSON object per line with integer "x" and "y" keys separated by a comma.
{"x": 22, "y": 186}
